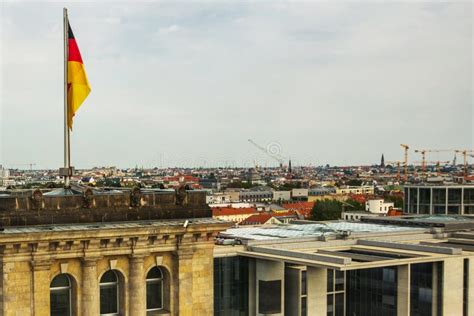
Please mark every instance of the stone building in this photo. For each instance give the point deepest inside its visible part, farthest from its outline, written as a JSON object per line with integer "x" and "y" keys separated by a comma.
{"x": 81, "y": 252}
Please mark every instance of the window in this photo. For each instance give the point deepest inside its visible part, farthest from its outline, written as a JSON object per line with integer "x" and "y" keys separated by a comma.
{"x": 60, "y": 296}
{"x": 154, "y": 289}
{"x": 269, "y": 297}
{"x": 109, "y": 293}
{"x": 335, "y": 292}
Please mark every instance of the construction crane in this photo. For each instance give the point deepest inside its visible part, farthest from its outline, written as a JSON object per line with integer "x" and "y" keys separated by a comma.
{"x": 398, "y": 163}
{"x": 436, "y": 163}
{"x": 275, "y": 156}
{"x": 423, "y": 156}
{"x": 405, "y": 147}
{"x": 464, "y": 154}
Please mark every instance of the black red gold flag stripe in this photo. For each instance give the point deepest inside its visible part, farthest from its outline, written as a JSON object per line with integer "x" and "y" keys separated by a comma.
{"x": 78, "y": 87}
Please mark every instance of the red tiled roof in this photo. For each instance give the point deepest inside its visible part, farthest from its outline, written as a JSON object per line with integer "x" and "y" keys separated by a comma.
{"x": 361, "y": 198}
{"x": 299, "y": 206}
{"x": 257, "y": 219}
{"x": 223, "y": 211}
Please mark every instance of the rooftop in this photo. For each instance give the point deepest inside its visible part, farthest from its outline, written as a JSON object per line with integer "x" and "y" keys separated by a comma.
{"x": 101, "y": 226}
{"x": 311, "y": 229}
{"x": 81, "y": 204}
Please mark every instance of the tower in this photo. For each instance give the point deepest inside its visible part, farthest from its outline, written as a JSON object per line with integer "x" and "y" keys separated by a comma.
{"x": 382, "y": 162}
{"x": 289, "y": 166}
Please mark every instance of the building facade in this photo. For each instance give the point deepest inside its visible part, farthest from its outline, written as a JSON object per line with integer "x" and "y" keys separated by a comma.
{"x": 411, "y": 267}
{"x": 439, "y": 199}
{"x": 143, "y": 266}
{"x": 378, "y": 206}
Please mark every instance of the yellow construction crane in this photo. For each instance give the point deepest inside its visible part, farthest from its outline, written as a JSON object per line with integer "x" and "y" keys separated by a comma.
{"x": 464, "y": 154}
{"x": 436, "y": 163}
{"x": 423, "y": 156}
{"x": 406, "y": 147}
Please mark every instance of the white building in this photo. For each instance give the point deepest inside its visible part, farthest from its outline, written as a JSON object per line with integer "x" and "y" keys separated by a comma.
{"x": 299, "y": 194}
{"x": 378, "y": 206}
{"x": 281, "y": 195}
{"x": 364, "y": 189}
{"x": 4, "y": 175}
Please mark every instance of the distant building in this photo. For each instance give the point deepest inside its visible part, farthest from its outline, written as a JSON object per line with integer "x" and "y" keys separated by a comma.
{"x": 357, "y": 215}
{"x": 281, "y": 196}
{"x": 299, "y": 194}
{"x": 321, "y": 193}
{"x": 378, "y": 206}
{"x": 255, "y": 196}
{"x": 365, "y": 189}
{"x": 302, "y": 208}
{"x": 231, "y": 214}
{"x": 261, "y": 219}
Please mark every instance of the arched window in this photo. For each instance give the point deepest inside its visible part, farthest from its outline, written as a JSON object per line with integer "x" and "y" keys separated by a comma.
{"x": 154, "y": 289}
{"x": 109, "y": 293}
{"x": 60, "y": 296}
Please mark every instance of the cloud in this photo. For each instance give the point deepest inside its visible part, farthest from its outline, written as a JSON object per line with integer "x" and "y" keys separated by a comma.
{"x": 169, "y": 29}
{"x": 331, "y": 82}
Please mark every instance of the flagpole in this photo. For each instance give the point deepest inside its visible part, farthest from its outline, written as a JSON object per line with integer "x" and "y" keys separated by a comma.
{"x": 67, "y": 148}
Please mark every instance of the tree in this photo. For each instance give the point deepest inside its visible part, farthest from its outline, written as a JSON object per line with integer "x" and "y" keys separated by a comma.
{"x": 396, "y": 199}
{"x": 355, "y": 182}
{"x": 357, "y": 206}
{"x": 327, "y": 210}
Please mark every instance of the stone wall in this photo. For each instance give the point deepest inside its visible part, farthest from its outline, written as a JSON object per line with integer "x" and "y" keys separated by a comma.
{"x": 184, "y": 254}
{"x": 37, "y": 208}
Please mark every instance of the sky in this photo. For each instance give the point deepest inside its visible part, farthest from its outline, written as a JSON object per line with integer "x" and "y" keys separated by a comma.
{"x": 188, "y": 83}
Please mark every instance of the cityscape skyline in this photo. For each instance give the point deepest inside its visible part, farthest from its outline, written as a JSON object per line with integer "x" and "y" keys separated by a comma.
{"x": 328, "y": 83}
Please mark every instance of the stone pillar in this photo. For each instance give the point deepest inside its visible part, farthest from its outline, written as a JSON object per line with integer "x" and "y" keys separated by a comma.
{"x": 41, "y": 283}
{"x": 453, "y": 286}
{"x": 470, "y": 287}
{"x": 90, "y": 288}
{"x": 316, "y": 280}
{"x": 137, "y": 286}
{"x": 403, "y": 290}
{"x": 184, "y": 281}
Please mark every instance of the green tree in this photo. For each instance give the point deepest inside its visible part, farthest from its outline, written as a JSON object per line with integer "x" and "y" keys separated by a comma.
{"x": 327, "y": 210}
{"x": 396, "y": 199}
{"x": 357, "y": 206}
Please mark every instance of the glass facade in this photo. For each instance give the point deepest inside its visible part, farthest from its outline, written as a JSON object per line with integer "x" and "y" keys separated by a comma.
{"x": 413, "y": 200}
{"x": 372, "y": 292}
{"x": 440, "y": 200}
{"x": 231, "y": 285}
{"x": 425, "y": 288}
{"x": 336, "y": 293}
{"x": 468, "y": 199}
{"x": 425, "y": 201}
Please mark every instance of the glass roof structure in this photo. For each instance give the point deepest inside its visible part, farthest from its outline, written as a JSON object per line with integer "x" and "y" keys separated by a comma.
{"x": 311, "y": 230}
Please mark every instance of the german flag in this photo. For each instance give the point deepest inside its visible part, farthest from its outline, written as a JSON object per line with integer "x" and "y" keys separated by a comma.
{"x": 77, "y": 84}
